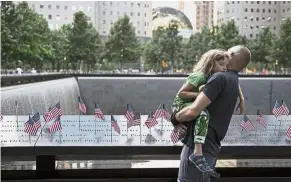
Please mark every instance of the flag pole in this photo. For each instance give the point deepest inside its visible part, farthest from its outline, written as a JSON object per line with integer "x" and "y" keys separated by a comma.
{"x": 111, "y": 131}
{"x": 40, "y": 133}
{"x": 95, "y": 125}
{"x": 111, "y": 127}
{"x": 29, "y": 139}
{"x": 140, "y": 135}
{"x": 79, "y": 120}
{"x": 16, "y": 110}
{"x": 60, "y": 136}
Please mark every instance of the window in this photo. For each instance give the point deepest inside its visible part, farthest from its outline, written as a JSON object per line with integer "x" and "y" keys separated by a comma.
{"x": 138, "y": 13}
{"x": 74, "y": 7}
{"x": 246, "y": 18}
{"x": 104, "y": 12}
{"x": 111, "y": 12}
{"x": 145, "y": 32}
{"x": 274, "y": 28}
{"x": 258, "y": 2}
{"x": 111, "y": 3}
{"x": 89, "y": 8}
{"x": 58, "y": 17}
{"x": 111, "y": 22}
{"x": 252, "y": 2}
{"x": 263, "y": 18}
{"x": 257, "y": 27}
{"x": 275, "y": 11}
{"x": 33, "y": 7}
{"x": 66, "y": 18}
{"x": 251, "y": 27}
{"x": 263, "y": 9}
{"x": 257, "y": 35}
{"x": 41, "y": 6}
{"x": 131, "y": 4}
{"x": 232, "y": 2}
{"x": 118, "y": 13}
{"x": 138, "y": 32}
{"x": 252, "y": 10}
{"x": 145, "y": 14}
{"x": 251, "y": 35}
{"x": 131, "y": 14}
{"x": 258, "y": 10}
{"x": 104, "y": 31}
{"x": 50, "y": 17}
{"x": 66, "y": 7}
{"x": 246, "y": 10}
{"x": 138, "y": 4}
{"x": 257, "y": 18}
{"x": 145, "y": 24}
{"x": 283, "y": 10}
{"x": 58, "y": 7}
{"x": 269, "y": 10}
{"x": 270, "y": 2}
{"x": 49, "y": 6}
{"x": 104, "y": 3}
{"x": 104, "y": 21}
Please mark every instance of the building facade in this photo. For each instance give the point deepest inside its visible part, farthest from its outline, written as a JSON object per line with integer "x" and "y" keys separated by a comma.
{"x": 204, "y": 11}
{"x": 252, "y": 16}
{"x": 101, "y": 13}
{"x": 140, "y": 13}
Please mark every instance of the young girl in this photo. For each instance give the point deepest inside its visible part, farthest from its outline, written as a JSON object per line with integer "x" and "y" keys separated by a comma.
{"x": 211, "y": 62}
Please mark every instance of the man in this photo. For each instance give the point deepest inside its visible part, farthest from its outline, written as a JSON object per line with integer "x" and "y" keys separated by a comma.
{"x": 220, "y": 97}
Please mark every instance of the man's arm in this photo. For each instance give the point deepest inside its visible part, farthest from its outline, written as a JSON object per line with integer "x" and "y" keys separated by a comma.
{"x": 212, "y": 89}
{"x": 190, "y": 112}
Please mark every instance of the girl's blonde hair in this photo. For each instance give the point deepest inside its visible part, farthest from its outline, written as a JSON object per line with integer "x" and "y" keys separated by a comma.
{"x": 208, "y": 60}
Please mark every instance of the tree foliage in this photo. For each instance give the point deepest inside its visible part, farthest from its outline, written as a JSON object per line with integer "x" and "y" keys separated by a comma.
{"x": 122, "y": 44}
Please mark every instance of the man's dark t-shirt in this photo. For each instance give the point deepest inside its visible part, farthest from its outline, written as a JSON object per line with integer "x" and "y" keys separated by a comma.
{"x": 222, "y": 90}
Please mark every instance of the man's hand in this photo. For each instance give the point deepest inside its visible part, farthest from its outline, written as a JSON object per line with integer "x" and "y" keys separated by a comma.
{"x": 241, "y": 106}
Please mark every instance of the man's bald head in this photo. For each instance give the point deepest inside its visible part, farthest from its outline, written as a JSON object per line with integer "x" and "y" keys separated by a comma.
{"x": 240, "y": 56}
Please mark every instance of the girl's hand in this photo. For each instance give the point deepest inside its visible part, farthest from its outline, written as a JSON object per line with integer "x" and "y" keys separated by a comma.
{"x": 201, "y": 88}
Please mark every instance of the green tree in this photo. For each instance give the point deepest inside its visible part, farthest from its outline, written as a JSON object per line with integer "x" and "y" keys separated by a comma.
{"x": 95, "y": 48}
{"x": 78, "y": 36}
{"x": 227, "y": 35}
{"x": 25, "y": 36}
{"x": 282, "y": 46}
{"x": 122, "y": 44}
{"x": 262, "y": 45}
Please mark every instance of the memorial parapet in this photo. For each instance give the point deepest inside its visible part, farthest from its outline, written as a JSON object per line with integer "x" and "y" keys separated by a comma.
{"x": 87, "y": 131}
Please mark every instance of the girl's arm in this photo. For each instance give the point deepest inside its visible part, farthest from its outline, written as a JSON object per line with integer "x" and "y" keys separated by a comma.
{"x": 241, "y": 104}
{"x": 186, "y": 92}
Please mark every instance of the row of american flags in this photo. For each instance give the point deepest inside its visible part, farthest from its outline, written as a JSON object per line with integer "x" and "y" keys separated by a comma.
{"x": 134, "y": 119}
{"x": 279, "y": 109}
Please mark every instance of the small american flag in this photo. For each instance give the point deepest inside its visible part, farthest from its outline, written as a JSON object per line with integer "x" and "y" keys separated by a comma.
{"x": 260, "y": 119}
{"x": 277, "y": 110}
{"x": 166, "y": 113}
{"x": 32, "y": 125}
{"x": 159, "y": 112}
{"x": 82, "y": 106}
{"x": 285, "y": 108}
{"x": 1, "y": 117}
{"x": 176, "y": 134}
{"x": 53, "y": 112}
{"x": 288, "y": 133}
{"x": 246, "y": 124}
{"x": 135, "y": 122}
{"x": 115, "y": 125}
{"x": 56, "y": 126}
{"x": 148, "y": 122}
{"x": 153, "y": 122}
{"x": 129, "y": 115}
{"x": 98, "y": 113}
